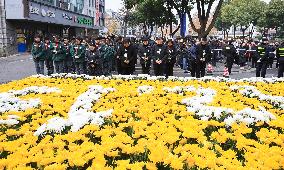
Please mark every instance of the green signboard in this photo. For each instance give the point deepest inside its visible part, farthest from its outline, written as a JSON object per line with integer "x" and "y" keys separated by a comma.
{"x": 84, "y": 21}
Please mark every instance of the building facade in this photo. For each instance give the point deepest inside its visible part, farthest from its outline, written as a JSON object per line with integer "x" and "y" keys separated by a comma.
{"x": 21, "y": 20}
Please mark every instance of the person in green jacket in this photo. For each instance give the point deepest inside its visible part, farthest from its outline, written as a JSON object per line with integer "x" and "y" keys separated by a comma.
{"x": 38, "y": 57}
{"x": 47, "y": 52}
{"x": 110, "y": 55}
{"x": 106, "y": 53}
{"x": 59, "y": 54}
{"x": 68, "y": 62}
{"x": 79, "y": 52}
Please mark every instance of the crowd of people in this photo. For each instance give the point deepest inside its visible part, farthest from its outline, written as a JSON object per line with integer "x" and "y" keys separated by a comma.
{"x": 107, "y": 55}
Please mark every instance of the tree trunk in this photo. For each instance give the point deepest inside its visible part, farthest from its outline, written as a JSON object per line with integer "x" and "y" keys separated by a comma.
{"x": 170, "y": 13}
{"x": 251, "y": 32}
{"x": 203, "y": 16}
{"x": 234, "y": 31}
{"x": 227, "y": 34}
{"x": 151, "y": 32}
{"x": 175, "y": 31}
{"x": 125, "y": 29}
{"x": 145, "y": 29}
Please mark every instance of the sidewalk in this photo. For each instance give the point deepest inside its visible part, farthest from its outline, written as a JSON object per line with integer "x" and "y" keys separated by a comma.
{"x": 16, "y": 67}
{"x": 20, "y": 66}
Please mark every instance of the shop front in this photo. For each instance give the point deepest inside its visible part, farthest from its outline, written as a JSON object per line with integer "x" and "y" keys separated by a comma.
{"x": 39, "y": 19}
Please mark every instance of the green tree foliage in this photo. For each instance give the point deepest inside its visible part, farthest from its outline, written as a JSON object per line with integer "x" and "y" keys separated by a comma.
{"x": 167, "y": 7}
{"x": 243, "y": 13}
{"x": 150, "y": 13}
{"x": 275, "y": 16}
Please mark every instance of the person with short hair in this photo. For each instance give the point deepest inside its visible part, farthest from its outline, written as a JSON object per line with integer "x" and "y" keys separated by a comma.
{"x": 158, "y": 55}
{"x": 127, "y": 56}
{"x": 144, "y": 54}
{"x": 118, "y": 47}
{"x": 38, "y": 55}
{"x": 230, "y": 53}
{"x": 280, "y": 56}
{"x": 170, "y": 58}
{"x": 59, "y": 54}
{"x": 47, "y": 50}
{"x": 68, "y": 62}
{"x": 262, "y": 58}
{"x": 79, "y": 52}
{"x": 203, "y": 56}
{"x": 94, "y": 61}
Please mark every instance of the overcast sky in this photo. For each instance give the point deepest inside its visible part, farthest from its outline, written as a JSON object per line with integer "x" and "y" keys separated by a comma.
{"x": 117, "y": 4}
{"x": 113, "y": 4}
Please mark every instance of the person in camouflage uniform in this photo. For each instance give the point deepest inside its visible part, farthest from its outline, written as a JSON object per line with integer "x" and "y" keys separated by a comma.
{"x": 59, "y": 54}
{"x": 38, "y": 57}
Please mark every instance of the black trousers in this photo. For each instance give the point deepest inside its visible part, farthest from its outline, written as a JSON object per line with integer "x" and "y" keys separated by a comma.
{"x": 158, "y": 69}
{"x": 126, "y": 70}
{"x": 49, "y": 66}
{"x": 280, "y": 69}
{"x": 254, "y": 62}
{"x": 270, "y": 62}
{"x": 200, "y": 69}
{"x": 145, "y": 68}
{"x": 118, "y": 66}
{"x": 229, "y": 65}
{"x": 261, "y": 68}
{"x": 169, "y": 69}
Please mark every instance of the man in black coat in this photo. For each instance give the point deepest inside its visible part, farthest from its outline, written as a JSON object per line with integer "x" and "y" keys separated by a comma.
{"x": 170, "y": 59}
{"x": 262, "y": 58}
{"x": 280, "y": 56}
{"x": 230, "y": 53}
{"x": 94, "y": 61}
{"x": 158, "y": 55}
{"x": 202, "y": 58}
{"x": 118, "y": 48}
{"x": 144, "y": 54}
{"x": 127, "y": 57}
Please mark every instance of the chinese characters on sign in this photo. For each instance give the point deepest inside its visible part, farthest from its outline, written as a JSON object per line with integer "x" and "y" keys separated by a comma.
{"x": 79, "y": 20}
{"x": 44, "y": 13}
{"x": 34, "y": 10}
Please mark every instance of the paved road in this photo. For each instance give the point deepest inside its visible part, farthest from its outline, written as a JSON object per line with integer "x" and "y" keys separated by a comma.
{"x": 21, "y": 66}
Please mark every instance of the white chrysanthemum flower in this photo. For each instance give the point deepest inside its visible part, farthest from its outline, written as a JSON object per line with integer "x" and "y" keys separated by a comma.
{"x": 145, "y": 89}
{"x": 80, "y": 113}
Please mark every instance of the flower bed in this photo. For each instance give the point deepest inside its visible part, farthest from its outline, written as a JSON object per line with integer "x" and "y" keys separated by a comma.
{"x": 141, "y": 122}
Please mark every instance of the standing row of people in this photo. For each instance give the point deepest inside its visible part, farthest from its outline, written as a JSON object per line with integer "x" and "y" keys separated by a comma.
{"x": 103, "y": 55}
{"x": 77, "y": 56}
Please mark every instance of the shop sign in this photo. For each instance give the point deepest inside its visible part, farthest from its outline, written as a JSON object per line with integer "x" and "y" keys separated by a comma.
{"x": 84, "y": 21}
{"x": 47, "y": 13}
{"x": 66, "y": 16}
{"x": 34, "y": 10}
{"x": 43, "y": 12}
{"x": 97, "y": 12}
{"x": 79, "y": 20}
